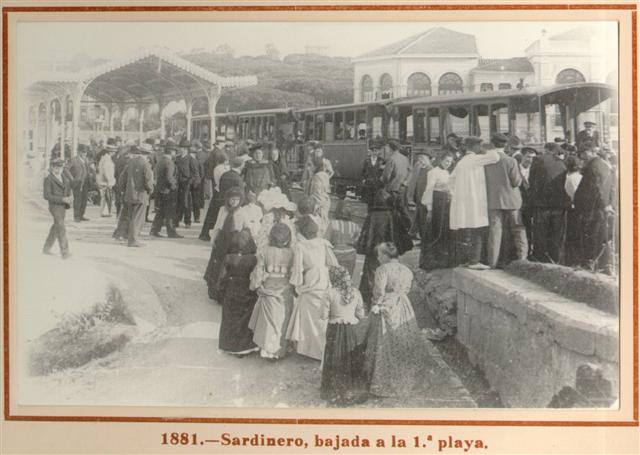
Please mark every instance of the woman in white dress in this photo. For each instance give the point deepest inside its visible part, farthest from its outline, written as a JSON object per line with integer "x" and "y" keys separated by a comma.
{"x": 310, "y": 275}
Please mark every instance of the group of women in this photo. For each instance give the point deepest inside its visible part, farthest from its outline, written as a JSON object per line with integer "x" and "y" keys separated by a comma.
{"x": 282, "y": 290}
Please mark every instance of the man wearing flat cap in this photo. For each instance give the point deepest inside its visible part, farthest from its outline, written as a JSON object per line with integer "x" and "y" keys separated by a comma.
{"x": 57, "y": 191}
{"x": 469, "y": 210}
{"x": 188, "y": 176}
{"x": 504, "y": 202}
{"x": 138, "y": 183}
{"x": 549, "y": 202}
{"x": 589, "y": 135}
{"x": 79, "y": 169}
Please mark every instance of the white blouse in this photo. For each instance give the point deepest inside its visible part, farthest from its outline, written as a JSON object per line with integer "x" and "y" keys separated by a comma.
{"x": 437, "y": 180}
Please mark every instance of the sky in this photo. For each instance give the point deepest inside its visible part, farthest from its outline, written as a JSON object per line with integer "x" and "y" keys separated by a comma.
{"x": 62, "y": 40}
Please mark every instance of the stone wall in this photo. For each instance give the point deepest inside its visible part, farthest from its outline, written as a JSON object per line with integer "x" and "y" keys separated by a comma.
{"x": 531, "y": 343}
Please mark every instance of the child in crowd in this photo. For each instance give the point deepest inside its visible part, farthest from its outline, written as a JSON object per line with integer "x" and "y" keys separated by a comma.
{"x": 341, "y": 363}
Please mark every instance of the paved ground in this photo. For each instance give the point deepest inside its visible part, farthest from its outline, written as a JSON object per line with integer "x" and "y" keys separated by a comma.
{"x": 178, "y": 363}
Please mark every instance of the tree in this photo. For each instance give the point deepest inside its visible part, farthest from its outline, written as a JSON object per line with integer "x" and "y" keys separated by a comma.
{"x": 272, "y": 52}
{"x": 224, "y": 49}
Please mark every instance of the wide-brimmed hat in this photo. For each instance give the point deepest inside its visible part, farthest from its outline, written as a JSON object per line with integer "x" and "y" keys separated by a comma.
{"x": 499, "y": 139}
{"x": 274, "y": 198}
{"x": 57, "y": 162}
{"x": 589, "y": 123}
{"x": 280, "y": 235}
{"x": 232, "y": 192}
{"x": 145, "y": 148}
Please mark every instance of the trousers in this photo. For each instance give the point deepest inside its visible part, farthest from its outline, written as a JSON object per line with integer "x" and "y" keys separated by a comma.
{"x": 183, "y": 210}
{"x": 165, "y": 205}
{"x": 105, "y": 200}
{"x": 136, "y": 221}
{"x": 58, "y": 230}
{"x": 517, "y": 234}
{"x": 549, "y": 230}
{"x": 80, "y": 196}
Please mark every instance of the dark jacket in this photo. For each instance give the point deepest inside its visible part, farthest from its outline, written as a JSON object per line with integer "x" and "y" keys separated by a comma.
{"x": 54, "y": 189}
{"x": 597, "y": 187}
{"x": 166, "y": 175}
{"x": 583, "y": 138}
{"x": 79, "y": 170}
{"x": 187, "y": 169}
{"x": 503, "y": 182}
{"x": 120, "y": 163}
{"x": 138, "y": 180}
{"x": 546, "y": 183}
{"x": 371, "y": 172}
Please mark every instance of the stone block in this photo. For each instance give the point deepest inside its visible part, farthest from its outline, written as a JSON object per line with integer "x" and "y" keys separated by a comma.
{"x": 463, "y": 328}
{"x": 607, "y": 346}
{"x": 576, "y": 339}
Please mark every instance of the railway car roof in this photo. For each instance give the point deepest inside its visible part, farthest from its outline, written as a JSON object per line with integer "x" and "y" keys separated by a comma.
{"x": 283, "y": 110}
{"x": 343, "y": 107}
{"x": 558, "y": 91}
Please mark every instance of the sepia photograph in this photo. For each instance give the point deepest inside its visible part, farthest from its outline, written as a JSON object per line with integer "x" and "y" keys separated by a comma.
{"x": 318, "y": 214}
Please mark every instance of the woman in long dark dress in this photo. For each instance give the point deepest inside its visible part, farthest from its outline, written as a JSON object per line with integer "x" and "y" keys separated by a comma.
{"x": 342, "y": 359}
{"x": 378, "y": 227}
{"x": 280, "y": 171}
{"x": 436, "y": 249}
{"x": 238, "y": 299}
{"x": 233, "y": 200}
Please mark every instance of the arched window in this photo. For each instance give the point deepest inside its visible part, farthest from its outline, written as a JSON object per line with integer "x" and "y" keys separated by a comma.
{"x": 418, "y": 84}
{"x": 366, "y": 88}
{"x": 569, "y": 76}
{"x": 504, "y": 86}
{"x": 449, "y": 83}
{"x": 386, "y": 86}
{"x": 486, "y": 87}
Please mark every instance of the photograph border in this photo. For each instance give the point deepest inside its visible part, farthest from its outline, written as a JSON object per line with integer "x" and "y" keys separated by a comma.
{"x": 6, "y": 11}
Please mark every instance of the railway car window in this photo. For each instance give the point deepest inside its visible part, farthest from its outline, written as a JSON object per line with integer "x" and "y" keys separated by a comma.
{"x": 350, "y": 125}
{"x": 481, "y": 124}
{"x": 457, "y": 120}
{"x": 499, "y": 118}
{"x": 409, "y": 126}
{"x": 419, "y": 126}
{"x": 434, "y": 127}
{"x": 319, "y": 128}
{"x": 393, "y": 128}
{"x": 339, "y": 128}
{"x": 486, "y": 87}
{"x": 504, "y": 86}
{"x": 329, "y": 127}
{"x": 361, "y": 123}
{"x": 308, "y": 127}
{"x": 376, "y": 126}
{"x": 526, "y": 120}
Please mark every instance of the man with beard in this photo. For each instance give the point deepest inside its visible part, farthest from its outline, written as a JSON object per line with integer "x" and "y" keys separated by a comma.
{"x": 589, "y": 136}
{"x": 166, "y": 195}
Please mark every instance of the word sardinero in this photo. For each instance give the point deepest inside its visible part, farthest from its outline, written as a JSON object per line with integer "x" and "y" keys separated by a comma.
{"x": 260, "y": 440}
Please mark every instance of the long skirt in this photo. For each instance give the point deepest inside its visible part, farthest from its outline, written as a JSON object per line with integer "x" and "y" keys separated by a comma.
{"x": 307, "y": 328}
{"x": 436, "y": 249}
{"x": 341, "y": 364}
{"x": 212, "y": 214}
{"x": 235, "y": 335}
{"x": 270, "y": 319}
{"x": 367, "y": 279}
{"x": 397, "y": 362}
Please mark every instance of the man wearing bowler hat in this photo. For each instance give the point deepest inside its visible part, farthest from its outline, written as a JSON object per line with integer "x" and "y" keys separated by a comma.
{"x": 187, "y": 174}
{"x": 138, "y": 183}
{"x": 57, "y": 191}
{"x": 588, "y": 135}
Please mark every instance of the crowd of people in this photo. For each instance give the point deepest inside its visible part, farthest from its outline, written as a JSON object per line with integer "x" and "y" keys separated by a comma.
{"x": 282, "y": 271}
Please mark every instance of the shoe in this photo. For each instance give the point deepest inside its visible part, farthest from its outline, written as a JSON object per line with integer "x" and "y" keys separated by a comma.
{"x": 156, "y": 234}
{"x": 105, "y": 216}
{"x": 196, "y": 221}
{"x": 136, "y": 245}
{"x": 187, "y": 225}
{"x": 77, "y": 220}
{"x": 66, "y": 255}
{"x": 47, "y": 252}
{"x": 84, "y": 219}
{"x": 147, "y": 220}
{"x": 175, "y": 236}
{"x": 205, "y": 238}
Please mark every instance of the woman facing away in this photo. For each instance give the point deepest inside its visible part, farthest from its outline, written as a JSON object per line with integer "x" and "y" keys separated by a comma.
{"x": 270, "y": 279}
{"x": 222, "y": 232}
{"x": 320, "y": 188}
{"x": 397, "y": 360}
{"x": 238, "y": 299}
{"x": 310, "y": 275}
{"x": 436, "y": 248}
{"x": 341, "y": 364}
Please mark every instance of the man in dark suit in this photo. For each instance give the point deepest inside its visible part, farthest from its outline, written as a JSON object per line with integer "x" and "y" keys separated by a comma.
{"x": 197, "y": 182}
{"x": 549, "y": 202}
{"x": 371, "y": 172}
{"x": 524, "y": 164}
{"x": 138, "y": 186}
{"x": 187, "y": 173}
{"x": 79, "y": 169}
{"x": 595, "y": 201}
{"x": 232, "y": 178}
{"x": 57, "y": 191}
{"x": 415, "y": 189}
{"x": 589, "y": 136}
{"x": 120, "y": 163}
{"x": 504, "y": 203}
{"x": 166, "y": 195}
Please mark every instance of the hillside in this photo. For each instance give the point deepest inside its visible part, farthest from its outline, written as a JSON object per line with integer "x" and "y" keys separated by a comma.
{"x": 298, "y": 80}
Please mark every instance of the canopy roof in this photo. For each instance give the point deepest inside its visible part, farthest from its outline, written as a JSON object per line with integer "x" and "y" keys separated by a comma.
{"x": 144, "y": 77}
